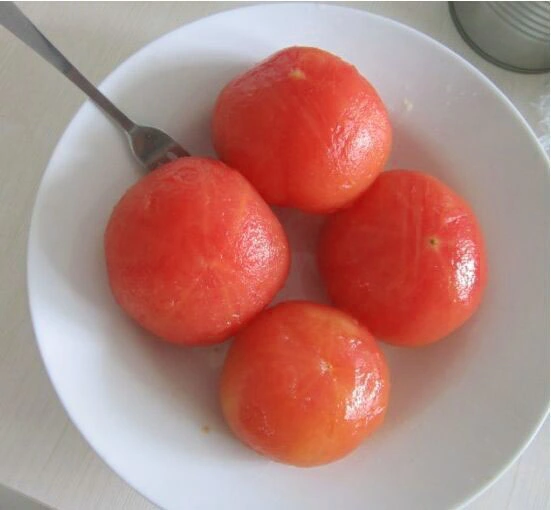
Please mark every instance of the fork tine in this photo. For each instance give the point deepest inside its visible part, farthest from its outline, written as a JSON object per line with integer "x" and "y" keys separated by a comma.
{"x": 153, "y": 147}
{"x": 179, "y": 151}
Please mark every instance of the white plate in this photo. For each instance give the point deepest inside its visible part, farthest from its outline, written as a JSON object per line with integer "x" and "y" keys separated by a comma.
{"x": 461, "y": 410}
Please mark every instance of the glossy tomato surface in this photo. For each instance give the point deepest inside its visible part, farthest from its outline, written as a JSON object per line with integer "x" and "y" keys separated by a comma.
{"x": 193, "y": 252}
{"x": 304, "y": 384}
{"x": 407, "y": 259}
{"x": 305, "y": 128}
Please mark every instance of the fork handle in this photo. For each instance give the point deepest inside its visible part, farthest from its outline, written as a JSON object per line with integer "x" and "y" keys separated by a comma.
{"x": 20, "y": 26}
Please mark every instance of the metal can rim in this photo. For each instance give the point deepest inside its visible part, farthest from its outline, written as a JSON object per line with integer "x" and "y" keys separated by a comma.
{"x": 485, "y": 55}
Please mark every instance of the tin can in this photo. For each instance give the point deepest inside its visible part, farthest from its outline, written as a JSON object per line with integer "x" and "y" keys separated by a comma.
{"x": 512, "y": 35}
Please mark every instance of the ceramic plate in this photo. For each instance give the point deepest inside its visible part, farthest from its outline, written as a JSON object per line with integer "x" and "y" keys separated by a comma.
{"x": 460, "y": 410}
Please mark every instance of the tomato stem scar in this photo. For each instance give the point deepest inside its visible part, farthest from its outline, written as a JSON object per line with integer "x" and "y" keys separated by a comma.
{"x": 297, "y": 74}
{"x": 434, "y": 241}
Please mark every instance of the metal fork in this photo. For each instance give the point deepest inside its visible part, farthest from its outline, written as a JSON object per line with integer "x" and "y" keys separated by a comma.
{"x": 151, "y": 146}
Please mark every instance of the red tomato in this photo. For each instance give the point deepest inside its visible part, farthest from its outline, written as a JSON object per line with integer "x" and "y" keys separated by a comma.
{"x": 305, "y": 128}
{"x": 407, "y": 259}
{"x": 193, "y": 252}
{"x": 304, "y": 384}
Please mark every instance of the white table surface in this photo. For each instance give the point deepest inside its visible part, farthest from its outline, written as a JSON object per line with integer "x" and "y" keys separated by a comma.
{"x": 41, "y": 453}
